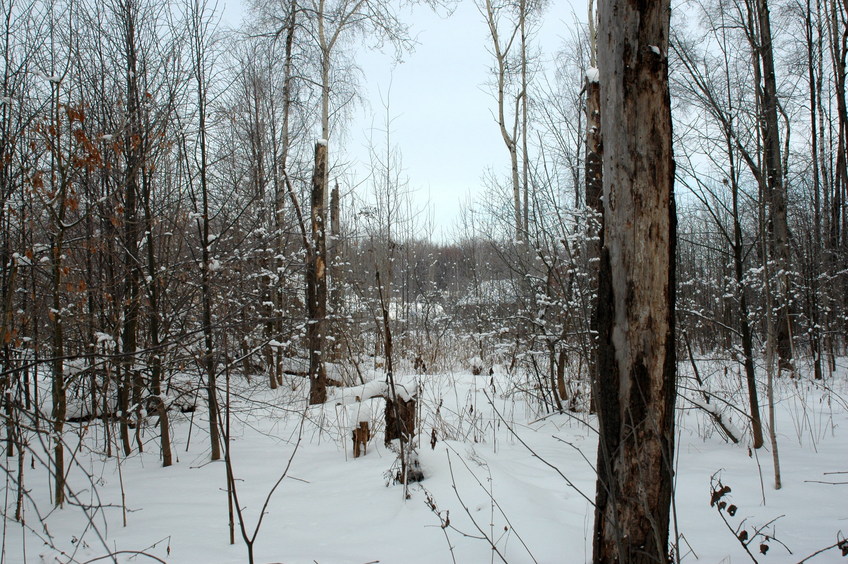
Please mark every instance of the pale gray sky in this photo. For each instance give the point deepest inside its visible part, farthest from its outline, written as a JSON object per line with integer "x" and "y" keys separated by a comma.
{"x": 440, "y": 103}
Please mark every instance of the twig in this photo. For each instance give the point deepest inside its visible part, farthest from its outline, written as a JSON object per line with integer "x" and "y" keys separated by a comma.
{"x": 133, "y": 552}
{"x": 498, "y": 505}
{"x": 470, "y": 516}
{"x": 717, "y": 417}
{"x": 533, "y": 452}
{"x": 444, "y": 521}
{"x": 580, "y": 452}
{"x": 842, "y": 544}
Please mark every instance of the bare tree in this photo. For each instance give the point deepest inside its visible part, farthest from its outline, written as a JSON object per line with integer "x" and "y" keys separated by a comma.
{"x": 503, "y": 49}
{"x": 709, "y": 83}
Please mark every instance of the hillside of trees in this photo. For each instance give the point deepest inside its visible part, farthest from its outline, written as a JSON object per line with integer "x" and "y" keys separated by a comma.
{"x": 183, "y": 244}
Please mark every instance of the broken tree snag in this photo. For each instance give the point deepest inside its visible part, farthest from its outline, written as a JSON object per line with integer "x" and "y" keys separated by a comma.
{"x": 419, "y": 365}
{"x": 361, "y": 436}
{"x": 316, "y": 281}
{"x": 400, "y": 419}
{"x": 594, "y": 204}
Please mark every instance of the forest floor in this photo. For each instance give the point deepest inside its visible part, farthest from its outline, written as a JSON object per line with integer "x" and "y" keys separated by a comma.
{"x": 502, "y": 482}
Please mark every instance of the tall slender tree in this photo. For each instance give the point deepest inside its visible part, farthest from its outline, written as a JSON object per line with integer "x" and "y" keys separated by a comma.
{"x": 775, "y": 183}
{"x": 200, "y": 37}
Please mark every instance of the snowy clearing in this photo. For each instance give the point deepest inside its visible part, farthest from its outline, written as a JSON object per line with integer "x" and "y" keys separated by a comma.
{"x": 502, "y": 482}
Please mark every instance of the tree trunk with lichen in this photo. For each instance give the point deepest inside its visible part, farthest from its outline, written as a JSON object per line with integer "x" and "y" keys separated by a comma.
{"x": 635, "y": 390}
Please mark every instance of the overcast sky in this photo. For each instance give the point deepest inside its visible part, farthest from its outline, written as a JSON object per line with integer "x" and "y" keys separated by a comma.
{"x": 441, "y": 107}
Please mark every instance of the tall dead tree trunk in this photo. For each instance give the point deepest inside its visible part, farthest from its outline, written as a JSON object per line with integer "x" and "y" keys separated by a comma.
{"x": 335, "y": 268}
{"x": 594, "y": 201}
{"x": 775, "y": 186}
{"x": 316, "y": 280}
{"x": 636, "y": 357}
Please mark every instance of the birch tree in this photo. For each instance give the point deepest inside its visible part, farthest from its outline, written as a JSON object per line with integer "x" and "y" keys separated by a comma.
{"x": 509, "y": 30}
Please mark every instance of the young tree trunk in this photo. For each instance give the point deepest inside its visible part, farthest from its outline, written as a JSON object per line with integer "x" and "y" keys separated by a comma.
{"x": 134, "y": 158}
{"x": 744, "y": 324}
{"x": 316, "y": 280}
{"x": 817, "y": 269}
{"x": 153, "y": 322}
{"x": 206, "y": 293}
{"x": 59, "y": 186}
{"x": 838, "y": 214}
{"x": 280, "y": 172}
{"x": 199, "y": 38}
{"x": 636, "y": 354}
{"x": 747, "y": 338}
{"x": 58, "y": 391}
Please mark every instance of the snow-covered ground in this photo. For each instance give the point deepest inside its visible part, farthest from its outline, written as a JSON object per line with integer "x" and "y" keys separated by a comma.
{"x": 502, "y": 482}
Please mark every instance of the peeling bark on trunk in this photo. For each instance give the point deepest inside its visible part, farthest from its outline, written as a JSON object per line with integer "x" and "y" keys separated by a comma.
{"x": 636, "y": 357}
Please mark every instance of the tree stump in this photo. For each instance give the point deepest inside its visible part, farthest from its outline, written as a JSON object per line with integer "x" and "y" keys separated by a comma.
{"x": 361, "y": 435}
{"x": 400, "y": 419}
